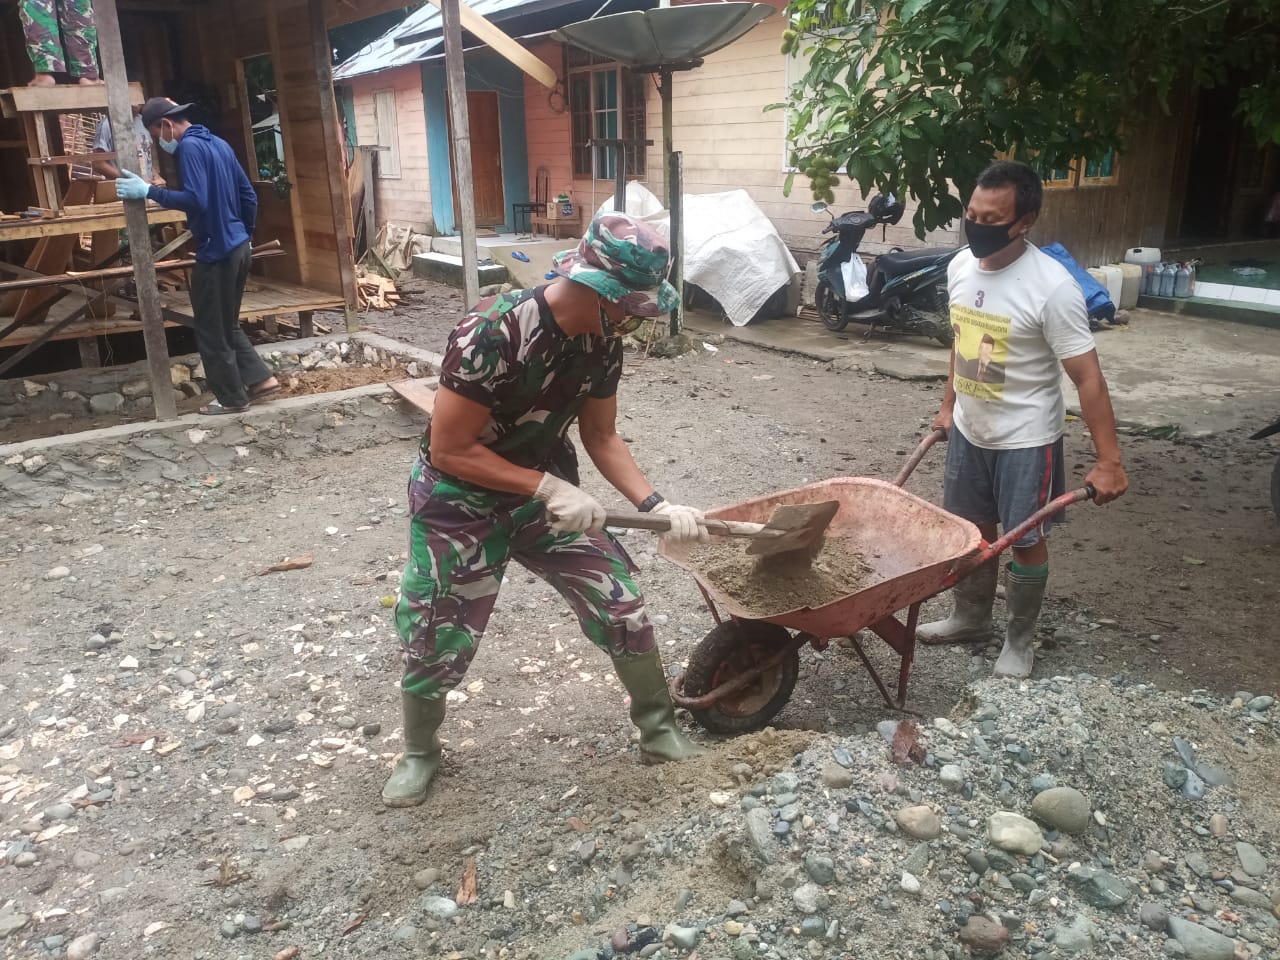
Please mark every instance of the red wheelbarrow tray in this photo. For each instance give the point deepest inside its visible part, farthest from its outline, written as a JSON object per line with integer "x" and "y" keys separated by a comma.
{"x": 911, "y": 545}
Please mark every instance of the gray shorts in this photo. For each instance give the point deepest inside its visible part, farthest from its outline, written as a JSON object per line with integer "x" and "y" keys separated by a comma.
{"x": 1002, "y": 486}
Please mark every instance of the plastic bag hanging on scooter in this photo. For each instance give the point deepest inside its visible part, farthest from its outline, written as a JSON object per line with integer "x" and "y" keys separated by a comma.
{"x": 853, "y": 273}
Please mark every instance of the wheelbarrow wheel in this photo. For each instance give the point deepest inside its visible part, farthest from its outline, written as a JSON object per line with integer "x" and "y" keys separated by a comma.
{"x": 729, "y": 649}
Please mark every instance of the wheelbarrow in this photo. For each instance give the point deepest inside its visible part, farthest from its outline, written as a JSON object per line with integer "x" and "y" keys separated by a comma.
{"x": 743, "y": 672}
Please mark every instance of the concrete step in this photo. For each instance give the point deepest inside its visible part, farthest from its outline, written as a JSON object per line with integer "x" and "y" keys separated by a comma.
{"x": 446, "y": 268}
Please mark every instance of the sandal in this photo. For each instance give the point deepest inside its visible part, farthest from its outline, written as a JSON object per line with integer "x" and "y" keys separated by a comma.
{"x": 257, "y": 394}
{"x": 216, "y": 409}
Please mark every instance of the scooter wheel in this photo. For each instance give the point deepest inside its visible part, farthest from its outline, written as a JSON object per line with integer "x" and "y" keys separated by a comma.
{"x": 830, "y": 308}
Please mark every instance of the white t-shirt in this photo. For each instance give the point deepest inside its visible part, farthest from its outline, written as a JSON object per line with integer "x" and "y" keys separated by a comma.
{"x": 105, "y": 141}
{"x": 1014, "y": 327}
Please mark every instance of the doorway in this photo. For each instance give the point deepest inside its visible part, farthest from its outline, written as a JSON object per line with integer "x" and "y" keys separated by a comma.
{"x": 486, "y": 160}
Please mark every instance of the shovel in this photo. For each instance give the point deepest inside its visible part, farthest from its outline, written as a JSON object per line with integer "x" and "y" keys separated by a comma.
{"x": 793, "y": 534}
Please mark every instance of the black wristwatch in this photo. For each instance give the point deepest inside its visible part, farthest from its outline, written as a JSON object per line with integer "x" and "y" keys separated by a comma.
{"x": 651, "y": 501}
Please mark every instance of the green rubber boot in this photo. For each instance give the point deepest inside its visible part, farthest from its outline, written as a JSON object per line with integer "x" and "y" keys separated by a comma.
{"x": 661, "y": 739}
{"x": 407, "y": 785}
{"x": 1023, "y": 596}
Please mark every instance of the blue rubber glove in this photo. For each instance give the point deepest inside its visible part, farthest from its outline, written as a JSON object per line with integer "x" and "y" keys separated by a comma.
{"x": 130, "y": 186}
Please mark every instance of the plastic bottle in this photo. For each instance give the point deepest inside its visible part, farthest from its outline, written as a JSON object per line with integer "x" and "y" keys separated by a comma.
{"x": 1182, "y": 281}
{"x": 1168, "y": 279}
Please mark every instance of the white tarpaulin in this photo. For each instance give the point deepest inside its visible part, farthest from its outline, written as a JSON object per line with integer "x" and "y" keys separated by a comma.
{"x": 732, "y": 251}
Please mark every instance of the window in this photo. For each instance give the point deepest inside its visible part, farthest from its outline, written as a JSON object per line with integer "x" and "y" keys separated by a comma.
{"x": 1100, "y": 172}
{"x": 605, "y": 102}
{"x": 1057, "y": 176}
{"x": 384, "y": 115}
{"x": 265, "y": 138}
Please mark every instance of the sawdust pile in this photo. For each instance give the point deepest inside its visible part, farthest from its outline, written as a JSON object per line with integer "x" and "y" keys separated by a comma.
{"x": 779, "y": 584}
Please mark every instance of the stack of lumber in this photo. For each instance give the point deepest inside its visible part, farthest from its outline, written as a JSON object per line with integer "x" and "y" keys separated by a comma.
{"x": 376, "y": 293}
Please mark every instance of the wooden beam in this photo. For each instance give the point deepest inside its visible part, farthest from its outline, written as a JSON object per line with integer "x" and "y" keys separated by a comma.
{"x": 67, "y": 159}
{"x": 501, "y": 44}
{"x": 34, "y": 228}
{"x": 111, "y": 53}
{"x": 455, "y": 73}
{"x": 64, "y": 98}
{"x": 335, "y": 167}
{"x": 269, "y": 249}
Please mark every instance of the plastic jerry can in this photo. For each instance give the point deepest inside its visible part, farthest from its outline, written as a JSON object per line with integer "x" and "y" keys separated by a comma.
{"x": 1100, "y": 275}
{"x": 1182, "y": 281}
{"x": 1142, "y": 255}
{"x": 1114, "y": 281}
{"x": 1131, "y": 287}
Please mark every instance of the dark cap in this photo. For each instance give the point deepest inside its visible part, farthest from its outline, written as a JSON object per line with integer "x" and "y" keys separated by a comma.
{"x": 157, "y": 108}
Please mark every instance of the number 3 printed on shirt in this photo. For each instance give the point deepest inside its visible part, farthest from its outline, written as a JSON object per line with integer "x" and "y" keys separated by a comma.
{"x": 977, "y": 301}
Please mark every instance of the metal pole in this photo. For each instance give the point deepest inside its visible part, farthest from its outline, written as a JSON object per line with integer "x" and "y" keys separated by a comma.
{"x": 620, "y": 177}
{"x": 664, "y": 89}
{"x": 676, "y": 208}
{"x": 457, "y": 88}
{"x": 111, "y": 53}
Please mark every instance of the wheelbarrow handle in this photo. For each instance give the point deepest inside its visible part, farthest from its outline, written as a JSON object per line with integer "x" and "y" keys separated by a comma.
{"x": 661, "y": 524}
{"x": 993, "y": 550}
{"x": 913, "y": 461}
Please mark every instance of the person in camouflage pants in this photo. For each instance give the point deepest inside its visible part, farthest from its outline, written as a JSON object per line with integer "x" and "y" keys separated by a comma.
{"x": 497, "y": 480}
{"x": 61, "y": 38}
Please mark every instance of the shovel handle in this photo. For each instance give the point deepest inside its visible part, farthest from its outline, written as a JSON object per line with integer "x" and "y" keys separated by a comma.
{"x": 661, "y": 524}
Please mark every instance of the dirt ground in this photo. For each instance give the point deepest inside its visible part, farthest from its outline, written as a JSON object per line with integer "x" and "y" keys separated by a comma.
{"x": 236, "y": 728}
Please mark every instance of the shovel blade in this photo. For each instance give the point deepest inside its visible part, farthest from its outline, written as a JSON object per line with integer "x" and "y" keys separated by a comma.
{"x": 796, "y": 529}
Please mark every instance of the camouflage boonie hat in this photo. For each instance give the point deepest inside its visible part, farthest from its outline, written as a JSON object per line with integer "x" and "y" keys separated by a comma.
{"x": 625, "y": 261}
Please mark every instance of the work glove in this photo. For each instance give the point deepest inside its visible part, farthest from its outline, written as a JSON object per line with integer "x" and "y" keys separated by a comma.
{"x": 130, "y": 186}
{"x": 571, "y": 510}
{"x": 684, "y": 522}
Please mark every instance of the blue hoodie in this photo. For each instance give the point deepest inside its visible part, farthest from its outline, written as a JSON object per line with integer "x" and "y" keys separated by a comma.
{"x": 218, "y": 199}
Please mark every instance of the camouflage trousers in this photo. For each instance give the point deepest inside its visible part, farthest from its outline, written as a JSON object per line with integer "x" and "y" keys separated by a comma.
{"x": 61, "y": 36}
{"x": 460, "y": 542}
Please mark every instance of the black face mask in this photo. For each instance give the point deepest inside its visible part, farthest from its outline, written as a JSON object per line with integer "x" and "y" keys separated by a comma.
{"x": 987, "y": 239}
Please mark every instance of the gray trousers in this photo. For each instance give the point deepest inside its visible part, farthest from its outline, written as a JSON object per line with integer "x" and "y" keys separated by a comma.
{"x": 231, "y": 365}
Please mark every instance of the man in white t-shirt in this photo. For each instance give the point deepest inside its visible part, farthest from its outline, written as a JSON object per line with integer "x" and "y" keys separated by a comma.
{"x": 105, "y": 142}
{"x": 1020, "y": 319}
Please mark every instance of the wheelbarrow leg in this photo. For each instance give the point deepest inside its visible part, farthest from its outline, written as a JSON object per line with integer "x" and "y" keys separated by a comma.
{"x": 902, "y": 639}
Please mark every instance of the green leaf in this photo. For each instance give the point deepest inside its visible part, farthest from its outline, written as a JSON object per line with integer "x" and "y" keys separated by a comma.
{"x": 910, "y": 9}
{"x": 788, "y": 183}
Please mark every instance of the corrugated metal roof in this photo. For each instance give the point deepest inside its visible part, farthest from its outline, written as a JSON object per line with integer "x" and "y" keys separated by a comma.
{"x": 389, "y": 51}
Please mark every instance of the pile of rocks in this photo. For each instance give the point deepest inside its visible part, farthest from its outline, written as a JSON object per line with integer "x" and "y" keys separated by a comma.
{"x": 1038, "y": 824}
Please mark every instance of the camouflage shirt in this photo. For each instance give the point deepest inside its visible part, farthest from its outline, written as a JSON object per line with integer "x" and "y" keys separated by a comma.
{"x": 511, "y": 356}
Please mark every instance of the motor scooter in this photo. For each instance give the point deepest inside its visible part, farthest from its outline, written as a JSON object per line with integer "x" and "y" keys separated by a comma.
{"x": 906, "y": 290}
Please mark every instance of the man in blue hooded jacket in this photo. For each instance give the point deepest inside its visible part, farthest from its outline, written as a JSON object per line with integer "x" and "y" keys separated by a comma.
{"x": 221, "y": 207}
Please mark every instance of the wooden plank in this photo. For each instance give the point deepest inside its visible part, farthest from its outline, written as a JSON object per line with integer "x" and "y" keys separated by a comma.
{"x": 501, "y": 43}
{"x": 460, "y": 134}
{"x": 35, "y": 228}
{"x": 74, "y": 331}
{"x": 67, "y": 160}
{"x": 50, "y": 254}
{"x": 64, "y": 98}
{"x": 119, "y": 99}
{"x": 264, "y": 298}
{"x": 284, "y": 97}
{"x": 417, "y": 392}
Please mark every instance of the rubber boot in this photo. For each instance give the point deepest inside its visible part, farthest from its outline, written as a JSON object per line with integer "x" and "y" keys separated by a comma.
{"x": 970, "y": 619}
{"x": 407, "y": 785}
{"x": 1023, "y": 597}
{"x": 653, "y": 713}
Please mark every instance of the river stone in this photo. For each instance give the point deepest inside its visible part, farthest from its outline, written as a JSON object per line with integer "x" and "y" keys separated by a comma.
{"x": 1254, "y": 863}
{"x": 836, "y": 777}
{"x": 1099, "y": 888}
{"x": 1063, "y": 808}
{"x": 1014, "y": 833}
{"x": 440, "y": 907}
{"x": 1253, "y": 899}
{"x": 951, "y": 776}
{"x": 810, "y": 898}
{"x": 759, "y": 826}
{"x": 821, "y": 870}
{"x": 1154, "y": 916}
{"x": 982, "y": 935}
{"x": 684, "y": 938}
{"x": 919, "y": 822}
{"x": 11, "y": 923}
{"x": 1076, "y": 936}
{"x": 82, "y": 947}
{"x": 1199, "y": 942}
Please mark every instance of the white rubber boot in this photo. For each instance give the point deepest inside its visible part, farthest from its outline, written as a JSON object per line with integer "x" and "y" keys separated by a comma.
{"x": 970, "y": 620}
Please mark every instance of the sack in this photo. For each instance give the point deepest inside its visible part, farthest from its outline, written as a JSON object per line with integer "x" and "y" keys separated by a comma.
{"x": 854, "y": 274}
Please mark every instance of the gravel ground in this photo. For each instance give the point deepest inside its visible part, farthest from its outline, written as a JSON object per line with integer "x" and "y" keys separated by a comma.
{"x": 190, "y": 754}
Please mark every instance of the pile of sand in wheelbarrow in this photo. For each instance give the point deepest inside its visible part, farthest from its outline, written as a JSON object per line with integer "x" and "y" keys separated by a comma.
{"x": 773, "y": 585}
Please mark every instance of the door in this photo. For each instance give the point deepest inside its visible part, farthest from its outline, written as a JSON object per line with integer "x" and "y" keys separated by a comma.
{"x": 486, "y": 160}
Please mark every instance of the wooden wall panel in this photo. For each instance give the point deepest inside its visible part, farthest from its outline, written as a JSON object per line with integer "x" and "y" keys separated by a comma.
{"x": 406, "y": 199}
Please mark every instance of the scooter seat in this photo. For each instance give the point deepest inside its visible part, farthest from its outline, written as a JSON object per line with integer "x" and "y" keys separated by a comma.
{"x": 908, "y": 261}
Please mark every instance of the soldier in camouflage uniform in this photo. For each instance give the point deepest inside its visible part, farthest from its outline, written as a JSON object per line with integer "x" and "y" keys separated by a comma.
{"x": 497, "y": 480}
{"x": 61, "y": 38}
